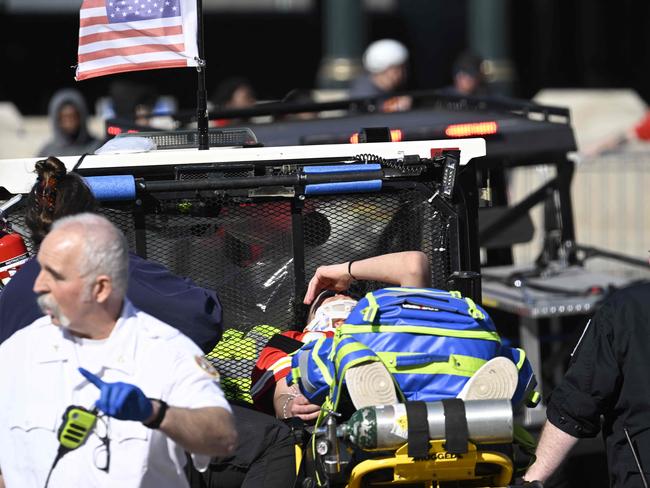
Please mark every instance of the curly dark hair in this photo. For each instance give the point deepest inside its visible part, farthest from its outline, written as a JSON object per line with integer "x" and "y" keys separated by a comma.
{"x": 55, "y": 194}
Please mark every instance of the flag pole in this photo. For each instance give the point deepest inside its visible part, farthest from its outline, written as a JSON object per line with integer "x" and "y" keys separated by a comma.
{"x": 201, "y": 95}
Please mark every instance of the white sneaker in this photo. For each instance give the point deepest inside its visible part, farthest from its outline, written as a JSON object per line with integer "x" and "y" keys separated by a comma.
{"x": 370, "y": 384}
{"x": 495, "y": 380}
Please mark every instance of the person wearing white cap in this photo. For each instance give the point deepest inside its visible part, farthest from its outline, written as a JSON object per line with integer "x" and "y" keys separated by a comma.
{"x": 385, "y": 64}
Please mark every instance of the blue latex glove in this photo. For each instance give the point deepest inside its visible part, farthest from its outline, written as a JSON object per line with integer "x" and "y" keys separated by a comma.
{"x": 120, "y": 400}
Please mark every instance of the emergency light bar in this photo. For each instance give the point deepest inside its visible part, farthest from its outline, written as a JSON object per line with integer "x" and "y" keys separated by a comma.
{"x": 183, "y": 139}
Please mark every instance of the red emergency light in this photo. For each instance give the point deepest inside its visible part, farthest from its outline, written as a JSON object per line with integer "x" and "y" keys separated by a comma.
{"x": 114, "y": 130}
{"x": 472, "y": 129}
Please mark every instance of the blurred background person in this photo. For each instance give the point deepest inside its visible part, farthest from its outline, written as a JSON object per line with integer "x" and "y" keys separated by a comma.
{"x": 385, "y": 62}
{"x": 233, "y": 93}
{"x": 468, "y": 78}
{"x": 133, "y": 101}
{"x": 68, "y": 116}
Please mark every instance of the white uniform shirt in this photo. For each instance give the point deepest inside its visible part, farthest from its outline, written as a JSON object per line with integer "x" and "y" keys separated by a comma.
{"x": 39, "y": 380}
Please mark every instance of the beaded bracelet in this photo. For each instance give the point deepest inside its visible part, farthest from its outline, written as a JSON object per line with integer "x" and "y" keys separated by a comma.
{"x": 290, "y": 396}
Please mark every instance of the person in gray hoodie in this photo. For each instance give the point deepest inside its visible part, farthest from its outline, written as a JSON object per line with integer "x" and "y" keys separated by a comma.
{"x": 68, "y": 116}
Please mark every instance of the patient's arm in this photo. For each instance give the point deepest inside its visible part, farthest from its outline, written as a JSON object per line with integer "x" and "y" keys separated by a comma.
{"x": 409, "y": 268}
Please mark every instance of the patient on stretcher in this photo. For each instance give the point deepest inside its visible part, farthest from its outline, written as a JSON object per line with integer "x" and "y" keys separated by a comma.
{"x": 472, "y": 365}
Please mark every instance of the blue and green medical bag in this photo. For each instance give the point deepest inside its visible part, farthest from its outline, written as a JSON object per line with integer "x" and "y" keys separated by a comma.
{"x": 432, "y": 341}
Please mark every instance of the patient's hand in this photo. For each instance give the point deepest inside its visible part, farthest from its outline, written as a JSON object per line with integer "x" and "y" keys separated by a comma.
{"x": 300, "y": 407}
{"x": 334, "y": 277}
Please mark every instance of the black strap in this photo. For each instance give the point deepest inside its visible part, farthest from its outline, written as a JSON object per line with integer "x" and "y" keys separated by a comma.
{"x": 455, "y": 426}
{"x": 418, "y": 429}
{"x": 284, "y": 343}
{"x": 162, "y": 410}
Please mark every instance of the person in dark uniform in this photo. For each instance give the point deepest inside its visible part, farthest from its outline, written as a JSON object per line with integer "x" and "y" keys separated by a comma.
{"x": 608, "y": 377}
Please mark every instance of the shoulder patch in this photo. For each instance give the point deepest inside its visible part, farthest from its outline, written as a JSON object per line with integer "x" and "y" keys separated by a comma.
{"x": 207, "y": 367}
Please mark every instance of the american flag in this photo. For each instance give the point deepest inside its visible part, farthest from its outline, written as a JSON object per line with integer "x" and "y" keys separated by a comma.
{"x": 133, "y": 35}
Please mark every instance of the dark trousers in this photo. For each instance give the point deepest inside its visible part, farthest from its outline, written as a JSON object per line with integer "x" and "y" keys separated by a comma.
{"x": 265, "y": 456}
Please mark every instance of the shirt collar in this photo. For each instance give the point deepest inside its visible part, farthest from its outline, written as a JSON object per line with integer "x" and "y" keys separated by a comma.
{"x": 58, "y": 344}
{"x": 52, "y": 345}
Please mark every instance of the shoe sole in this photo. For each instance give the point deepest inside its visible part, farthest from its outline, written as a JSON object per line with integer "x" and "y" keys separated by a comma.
{"x": 370, "y": 384}
{"x": 495, "y": 380}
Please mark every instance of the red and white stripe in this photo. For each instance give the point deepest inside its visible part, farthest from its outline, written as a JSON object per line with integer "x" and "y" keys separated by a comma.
{"x": 134, "y": 46}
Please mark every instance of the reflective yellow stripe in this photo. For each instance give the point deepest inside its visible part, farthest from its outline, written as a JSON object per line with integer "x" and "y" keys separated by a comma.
{"x": 534, "y": 397}
{"x": 325, "y": 406}
{"x": 473, "y": 310}
{"x": 522, "y": 358}
{"x": 338, "y": 336}
{"x": 295, "y": 373}
{"x": 281, "y": 363}
{"x": 332, "y": 353}
{"x": 455, "y": 294}
{"x": 370, "y": 311}
{"x": 350, "y": 348}
{"x": 468, "y": 364}
{"x": 419, "y": 329}
{"x": 457, "y": 365}
{"x": 319, "y": 363}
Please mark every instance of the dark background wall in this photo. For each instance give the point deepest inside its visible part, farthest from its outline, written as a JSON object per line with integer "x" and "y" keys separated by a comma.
{"x": 554, "y": 43}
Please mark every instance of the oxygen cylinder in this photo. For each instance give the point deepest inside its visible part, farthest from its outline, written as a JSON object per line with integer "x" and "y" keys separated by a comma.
{"x": 13, "y": 254}
{"x": 386, "y": 426}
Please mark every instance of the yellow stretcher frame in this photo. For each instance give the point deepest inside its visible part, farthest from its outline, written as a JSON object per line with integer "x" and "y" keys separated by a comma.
{"x": 439, "y": 467}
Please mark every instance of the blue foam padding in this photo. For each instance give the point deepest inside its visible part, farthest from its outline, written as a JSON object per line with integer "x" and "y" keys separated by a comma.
{"x": 111, "y": 188}
{"x": 343, "y": 187}
{"x": 341, "y": 168}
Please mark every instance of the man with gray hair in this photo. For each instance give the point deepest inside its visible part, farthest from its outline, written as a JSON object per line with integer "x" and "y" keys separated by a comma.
{"x": 153, "y": 393}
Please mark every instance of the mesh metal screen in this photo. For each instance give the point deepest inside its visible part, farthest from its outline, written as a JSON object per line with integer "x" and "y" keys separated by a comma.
{"x": 364, "y": 226}
{"x": 245, "y": 250}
